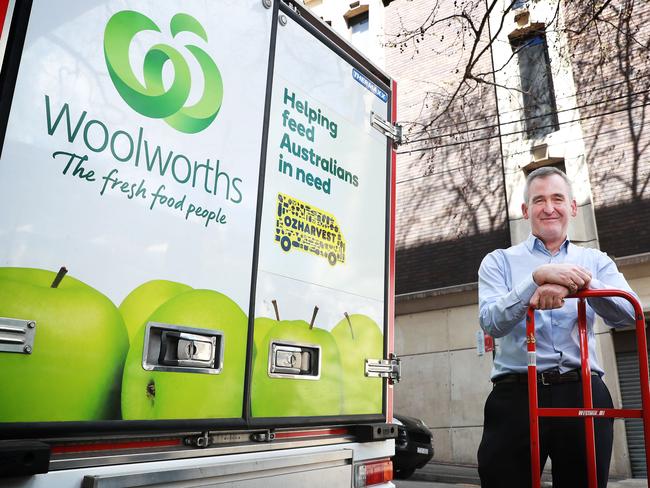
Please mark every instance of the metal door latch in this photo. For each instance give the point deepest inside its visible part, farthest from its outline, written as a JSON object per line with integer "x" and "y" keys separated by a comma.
{"x": 385, "y": 368}
{"x": 176, "y": 348}
{"x": 290, "y": 360}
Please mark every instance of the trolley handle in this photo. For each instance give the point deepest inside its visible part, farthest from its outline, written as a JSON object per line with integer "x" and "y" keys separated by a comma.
{"x": 534, "y": 410}
{"x": 638, "y": 311}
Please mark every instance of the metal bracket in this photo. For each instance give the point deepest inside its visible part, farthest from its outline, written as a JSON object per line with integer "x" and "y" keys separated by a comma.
{"x": 266, "y": 436}
{"x": 17, "y": 335}
{"x": 385, "y": 368}
{"x": 393, "y": 132}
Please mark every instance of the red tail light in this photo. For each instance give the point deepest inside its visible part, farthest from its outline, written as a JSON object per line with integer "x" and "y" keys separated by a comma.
{"x": 373, "y": 473}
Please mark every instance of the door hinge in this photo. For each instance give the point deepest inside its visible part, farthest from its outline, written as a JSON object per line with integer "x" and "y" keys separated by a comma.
{"x": 392, "y": 131}
{"x": 211, "y": 439}
{"x": 17, "y": 335}
{"x": 385, "y": 368}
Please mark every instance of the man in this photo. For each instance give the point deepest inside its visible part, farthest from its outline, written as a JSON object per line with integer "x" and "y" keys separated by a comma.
{"x": 541, "y": 272}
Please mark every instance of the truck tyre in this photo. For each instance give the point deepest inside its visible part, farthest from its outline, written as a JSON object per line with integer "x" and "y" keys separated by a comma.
{"x": 285, "y": 243}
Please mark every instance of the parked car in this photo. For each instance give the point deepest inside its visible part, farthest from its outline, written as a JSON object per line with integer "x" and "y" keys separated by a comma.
{"x": 413, "y": 446}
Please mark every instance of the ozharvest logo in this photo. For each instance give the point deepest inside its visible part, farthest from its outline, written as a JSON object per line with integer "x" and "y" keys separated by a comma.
{"x": 151, "y": 99}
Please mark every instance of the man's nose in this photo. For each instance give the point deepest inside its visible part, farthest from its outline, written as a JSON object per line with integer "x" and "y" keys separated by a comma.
{"x": 548, "y": 207}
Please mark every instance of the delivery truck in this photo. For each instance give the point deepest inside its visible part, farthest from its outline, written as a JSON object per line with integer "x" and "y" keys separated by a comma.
{"x": 196, "y": 247}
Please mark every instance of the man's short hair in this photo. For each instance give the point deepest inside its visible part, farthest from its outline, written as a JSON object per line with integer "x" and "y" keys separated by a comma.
{"x": 544, "y": 172}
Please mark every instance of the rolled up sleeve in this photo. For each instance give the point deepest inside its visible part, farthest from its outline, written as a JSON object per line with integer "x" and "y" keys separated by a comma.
{"x": 615, "y": 311}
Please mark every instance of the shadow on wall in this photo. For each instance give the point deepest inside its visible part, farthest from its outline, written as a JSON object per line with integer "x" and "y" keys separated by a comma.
{"x": 611, "y": 68}
{"x": 623, "y": 229}
{"x": 445, "y": 263}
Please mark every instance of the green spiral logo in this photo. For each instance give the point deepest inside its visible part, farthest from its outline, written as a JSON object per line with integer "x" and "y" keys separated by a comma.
{"x": 151, "y": 99}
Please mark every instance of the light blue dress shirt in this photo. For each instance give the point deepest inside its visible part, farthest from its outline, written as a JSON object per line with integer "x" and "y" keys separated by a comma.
{"x": 506, "y": 286}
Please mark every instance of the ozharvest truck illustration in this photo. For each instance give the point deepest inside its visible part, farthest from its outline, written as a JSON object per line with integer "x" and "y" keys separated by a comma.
{"x": 309, "y": 229}
{"x": 161, "y": 163}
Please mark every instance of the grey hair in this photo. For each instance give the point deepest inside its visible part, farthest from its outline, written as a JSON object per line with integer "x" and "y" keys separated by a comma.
{"x": 544, "y": 172}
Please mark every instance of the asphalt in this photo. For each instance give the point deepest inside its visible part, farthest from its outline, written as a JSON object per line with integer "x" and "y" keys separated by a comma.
{"x": 468, "y": 476}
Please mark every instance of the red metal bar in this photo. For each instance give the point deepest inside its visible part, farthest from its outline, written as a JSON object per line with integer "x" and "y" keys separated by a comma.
{"x": 533, "y": 404}
{"x": 642, "y": 351}
{"x": 110, "y": 446}
{"x": 587, "y": 396}
{"x": 4, "y": 5}
{"x": 588, "y": 412}
{"x": 312, "y": 433}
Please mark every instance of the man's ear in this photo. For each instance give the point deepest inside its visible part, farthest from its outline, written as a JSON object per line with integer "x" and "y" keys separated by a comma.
{"x": 574, "y": 208}
{"x": 524, "y": 210}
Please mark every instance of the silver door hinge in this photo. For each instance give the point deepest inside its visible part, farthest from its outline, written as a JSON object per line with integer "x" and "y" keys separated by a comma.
{"x": 392, "y": 131}
{"x": 211, "y": 439}
{"x": 385, "y": 368}
{"x": 17, "y": 335}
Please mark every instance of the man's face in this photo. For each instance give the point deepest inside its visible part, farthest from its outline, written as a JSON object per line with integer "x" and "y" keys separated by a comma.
{"x": 549, "y": 207}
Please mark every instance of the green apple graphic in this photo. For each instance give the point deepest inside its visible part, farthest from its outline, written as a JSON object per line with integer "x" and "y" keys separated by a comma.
{"x": 145, "y": 299}
{"x": 184, "y": 395}
{"x": 75, "y": 367}
{"x": 261, "y": 327}
{"x": 359, "y": 338}
{"x": 295, "y": 396}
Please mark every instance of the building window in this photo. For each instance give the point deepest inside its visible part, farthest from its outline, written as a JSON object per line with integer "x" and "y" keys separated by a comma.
{"x": 358, "y": 21}
{"x": 540, "y": 111}
{"x": 532, "y": 167}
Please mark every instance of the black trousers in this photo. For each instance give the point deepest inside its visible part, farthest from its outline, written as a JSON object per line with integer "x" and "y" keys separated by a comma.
{"x": 504, "y": 452}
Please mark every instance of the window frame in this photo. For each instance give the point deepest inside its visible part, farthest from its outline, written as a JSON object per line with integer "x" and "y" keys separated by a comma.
{"x": 549, "y": 120}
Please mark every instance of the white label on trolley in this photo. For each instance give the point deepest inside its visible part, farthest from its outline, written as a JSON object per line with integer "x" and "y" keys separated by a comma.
{"x": 591, "y": 413}
{"x": 532, "y": 361}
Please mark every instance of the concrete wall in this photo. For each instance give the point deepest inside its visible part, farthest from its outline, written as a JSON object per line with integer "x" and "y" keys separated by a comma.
{"x": 445, "y": 382}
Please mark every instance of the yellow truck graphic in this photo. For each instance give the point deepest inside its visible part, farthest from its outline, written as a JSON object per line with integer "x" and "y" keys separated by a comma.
{"x": 308, "y": 228}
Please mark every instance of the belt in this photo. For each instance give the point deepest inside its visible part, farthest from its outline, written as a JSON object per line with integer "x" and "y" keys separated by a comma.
{"x": 548, "y": 377}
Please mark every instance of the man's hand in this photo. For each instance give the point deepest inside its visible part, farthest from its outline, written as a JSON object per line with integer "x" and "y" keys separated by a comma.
{"x": 570, "y": 276}
{"x": 548, "y": 296}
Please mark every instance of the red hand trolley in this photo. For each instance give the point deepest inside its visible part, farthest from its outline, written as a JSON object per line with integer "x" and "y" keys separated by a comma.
{"x": 587, "y": 411}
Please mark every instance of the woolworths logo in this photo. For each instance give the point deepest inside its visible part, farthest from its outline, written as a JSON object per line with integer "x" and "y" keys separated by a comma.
{"x": 151, "y": 99}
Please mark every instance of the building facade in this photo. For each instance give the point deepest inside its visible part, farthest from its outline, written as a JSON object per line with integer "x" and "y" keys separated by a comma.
{"x": 487, "y": 92}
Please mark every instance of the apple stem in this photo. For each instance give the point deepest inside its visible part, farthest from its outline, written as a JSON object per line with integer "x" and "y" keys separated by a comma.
{"x": 347, "y": 317}
{"x": 59, "y": 276}
{"x": 313, "y": 318}
{"x": 275, "y": 307}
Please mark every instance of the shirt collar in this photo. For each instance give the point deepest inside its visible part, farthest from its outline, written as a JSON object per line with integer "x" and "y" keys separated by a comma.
{"x": 533, "y": 243}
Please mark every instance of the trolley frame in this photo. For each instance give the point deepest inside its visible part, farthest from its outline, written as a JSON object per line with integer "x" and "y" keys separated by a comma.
{"x": 587, "y": 411}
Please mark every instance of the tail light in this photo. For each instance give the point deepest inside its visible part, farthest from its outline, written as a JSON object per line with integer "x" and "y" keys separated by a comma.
{"x": 373, "y": 473}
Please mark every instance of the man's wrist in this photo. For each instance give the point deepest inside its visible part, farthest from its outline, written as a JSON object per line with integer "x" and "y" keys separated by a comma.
{"x": 525, "y": 290}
